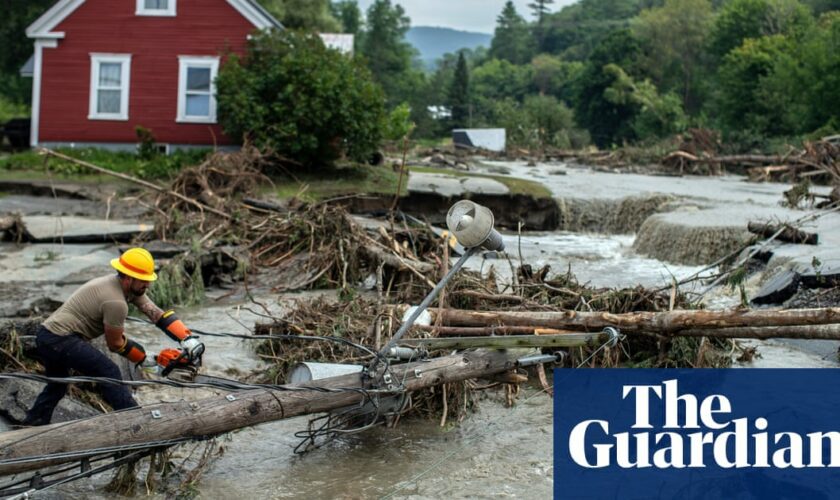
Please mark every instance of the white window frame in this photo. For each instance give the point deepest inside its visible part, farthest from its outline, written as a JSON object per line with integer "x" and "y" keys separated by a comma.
{"x": 168, "y": 12}
{"x": 125, "y": 83}
{"x": 185, "y": 62}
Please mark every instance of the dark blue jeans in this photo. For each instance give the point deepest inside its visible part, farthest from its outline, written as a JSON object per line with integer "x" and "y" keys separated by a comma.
{"x": 60, "y": 354}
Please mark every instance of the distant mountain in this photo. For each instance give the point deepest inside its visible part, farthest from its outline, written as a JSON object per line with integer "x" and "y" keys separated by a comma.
{"x": 434, "y": 42}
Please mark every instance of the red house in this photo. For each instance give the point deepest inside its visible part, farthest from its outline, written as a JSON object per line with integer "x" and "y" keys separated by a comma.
{"x": 103, "y": 67}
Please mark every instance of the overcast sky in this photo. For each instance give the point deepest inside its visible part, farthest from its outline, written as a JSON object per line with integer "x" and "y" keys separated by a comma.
{"x": 467, "y": 15}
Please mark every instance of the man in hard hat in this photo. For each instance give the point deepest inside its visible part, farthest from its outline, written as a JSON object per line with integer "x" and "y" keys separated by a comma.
{"x": 99, "y": 307}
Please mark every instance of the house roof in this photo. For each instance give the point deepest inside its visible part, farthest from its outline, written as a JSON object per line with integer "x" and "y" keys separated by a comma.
{"x": 28, "y": 68}
{"x": 43, "y": 26}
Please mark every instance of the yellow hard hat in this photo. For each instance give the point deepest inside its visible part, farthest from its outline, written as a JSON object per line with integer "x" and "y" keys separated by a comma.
{"x": 137, "y": 263}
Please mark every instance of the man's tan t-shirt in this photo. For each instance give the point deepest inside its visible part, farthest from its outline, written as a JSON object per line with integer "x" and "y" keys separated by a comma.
{"x": 98, "y": 302}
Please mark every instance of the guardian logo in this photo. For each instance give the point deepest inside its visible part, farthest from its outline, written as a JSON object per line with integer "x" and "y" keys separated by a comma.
{"x": 736, "y": 433}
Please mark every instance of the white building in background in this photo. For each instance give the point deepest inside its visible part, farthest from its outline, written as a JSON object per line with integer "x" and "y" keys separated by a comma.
{"x": 491, "y": 139}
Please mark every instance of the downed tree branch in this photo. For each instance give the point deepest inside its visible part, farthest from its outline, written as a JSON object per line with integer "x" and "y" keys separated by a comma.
{"x": 135, "y": 180}
{"x": 788, "y": 233}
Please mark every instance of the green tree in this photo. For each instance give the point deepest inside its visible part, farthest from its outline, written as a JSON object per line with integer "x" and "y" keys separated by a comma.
{"x": 497, "y": 79}
{"x": 16, "y": 49}
{"x": 803, "y": 82}
{"x": 459, "y": 94}
{"x": 554, "y": 76}
{"x": 608, "y": 122}
{"x": 303, "y": 14}
{"x": 674, "y": 39}
{"x": 741, "y": 104}
{"x": 539, "y": 122}
{"x": 657, "y": 115}
{"x": 388, "y": 55}
{"x": 349, "y": 15}
{"x": 293, "y": 95}
{"x": 539, "y": 9}
{"x": 512, "y": 40}
{"x": 575, "y": 31}
{"x": 739, "y": 20}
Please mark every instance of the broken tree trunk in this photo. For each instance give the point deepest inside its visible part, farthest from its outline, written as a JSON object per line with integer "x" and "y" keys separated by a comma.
{"x": 789, "y": 234}
{"x": 34, "y": 448}
{"x": 576, "y": 339}
{"x": 639, "y": 322}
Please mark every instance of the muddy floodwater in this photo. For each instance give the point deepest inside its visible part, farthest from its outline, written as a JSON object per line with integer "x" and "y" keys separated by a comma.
{"x": 495, "y": 452}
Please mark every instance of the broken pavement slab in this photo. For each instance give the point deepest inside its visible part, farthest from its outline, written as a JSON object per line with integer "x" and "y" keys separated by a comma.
{"x": 72, "y": 229}
{"x": 452, "y": 186}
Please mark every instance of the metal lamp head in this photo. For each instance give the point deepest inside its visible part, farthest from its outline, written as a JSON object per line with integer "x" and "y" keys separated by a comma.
{"x": 472, "y": 225}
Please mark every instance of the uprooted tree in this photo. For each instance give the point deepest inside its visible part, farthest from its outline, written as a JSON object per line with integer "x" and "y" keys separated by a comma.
{"x": 294, "y": 96}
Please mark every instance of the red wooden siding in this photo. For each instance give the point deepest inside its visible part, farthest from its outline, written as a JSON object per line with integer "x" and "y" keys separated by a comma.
{"x": 201, "y": 28}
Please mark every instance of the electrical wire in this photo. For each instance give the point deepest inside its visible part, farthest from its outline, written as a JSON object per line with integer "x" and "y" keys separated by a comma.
{"x": 310, "y": 338}
{"x": 231, "y": 385}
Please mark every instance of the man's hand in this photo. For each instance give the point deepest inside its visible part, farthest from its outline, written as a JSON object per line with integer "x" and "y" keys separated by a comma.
{"x": 194, "y": 349}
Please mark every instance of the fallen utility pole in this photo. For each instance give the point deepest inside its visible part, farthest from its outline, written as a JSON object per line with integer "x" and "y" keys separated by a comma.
{"x": 576, "y": 339}
{"x": 483, "y": 331}
{"x": 639, "y": 322}
{"x": 34, "y": 448}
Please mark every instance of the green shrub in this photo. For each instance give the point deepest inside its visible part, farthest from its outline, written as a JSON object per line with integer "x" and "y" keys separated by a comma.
{"x": 9, "y": 110}
{"x": 304, "y": 101}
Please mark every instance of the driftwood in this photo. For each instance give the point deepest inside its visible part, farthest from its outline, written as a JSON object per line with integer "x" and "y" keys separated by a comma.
{"x": 815, "y": 158}
{"x": 639, "y": 322}
{"x": 70, "y": 441}
{"x": 788, "y": 233}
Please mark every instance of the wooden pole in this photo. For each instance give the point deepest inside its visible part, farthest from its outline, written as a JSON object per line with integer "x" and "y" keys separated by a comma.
{"x": 481, "y": 331}
{"x": 220, "y": 414}
{"x": 820, "y": 332}
{"x": 640, "y": 322}
{"x": 577, "y": 339}
{"x": 135, "y": 180}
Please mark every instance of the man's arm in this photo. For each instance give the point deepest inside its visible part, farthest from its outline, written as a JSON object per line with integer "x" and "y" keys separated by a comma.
{"x": 147, "y": 307}
{"x": 115, "y": 338}
{"x": 173, "y": 327}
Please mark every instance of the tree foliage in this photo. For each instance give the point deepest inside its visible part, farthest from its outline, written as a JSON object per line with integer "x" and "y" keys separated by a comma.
{"x": 739, "y": 20}
{"x": 388, "y": 54}
{"x": 459, "y": 94}
{"x": 16, "y": 49}
{"x": 674, "y": 38}
{"x": 512, "y": 41}
{"x": 303, "y": 14}
{"x": 349, "y": 15}
{"x": 609, "y": 122}
{"x": 301, "y": 99}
